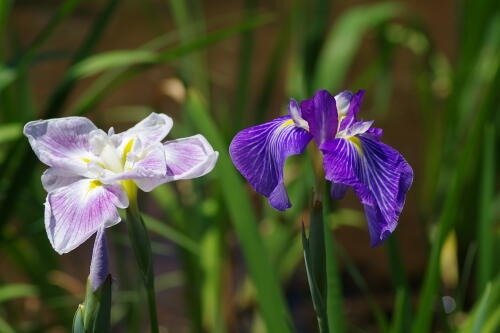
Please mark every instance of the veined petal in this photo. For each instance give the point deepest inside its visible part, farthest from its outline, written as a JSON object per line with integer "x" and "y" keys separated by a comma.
{"x": 259, "y": 154}
{"x": 185, "y": 158}
{"x": 190, "y": 157}
{"x": 379, "y": 175}
{"x": 99, "y": 266}
{"x": 320, "y": 112}
{"x": 74, "y": 213}
{"x": 61, "y": 142}
{"x": 153, "y": 129}
{"x": 354, "y": 105}
{"x": 53, "y": 178}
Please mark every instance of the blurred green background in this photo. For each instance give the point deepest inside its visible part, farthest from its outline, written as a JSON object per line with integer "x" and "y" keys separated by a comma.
{"x": 224, "y": 260}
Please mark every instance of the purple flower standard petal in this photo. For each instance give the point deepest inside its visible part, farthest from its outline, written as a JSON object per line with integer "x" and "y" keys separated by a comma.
{"x": 259, "y": 154}
{"x": 61, "y": 142}
{"x": 320, "y": 112}
{"x": 99, "y": 266}
{"x": 350, "y": 109}
{"x": 379, "y": 175}
{"x": 74, "y": 213}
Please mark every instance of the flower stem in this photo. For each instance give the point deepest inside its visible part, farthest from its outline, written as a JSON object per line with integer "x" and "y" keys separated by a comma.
{"x": 142, "y": 249}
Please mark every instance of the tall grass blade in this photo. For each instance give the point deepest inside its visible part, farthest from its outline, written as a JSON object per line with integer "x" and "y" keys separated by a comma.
{"x": 402, "y": 309}
{"x": 55, "y": 104}
{"x": 269, "y": 296}
{"x": 334, "y": 300}
{"x": 116, "y": 77}
{"x": 171, "y": 234}
{"x": 315, "y": 262}
{"x": 14, "y": 291}
{"x": 344, "y": 40}
{"x": 485, "y": 233}
{"x": 447, "y": 219}
{"x": 61, "y": 13}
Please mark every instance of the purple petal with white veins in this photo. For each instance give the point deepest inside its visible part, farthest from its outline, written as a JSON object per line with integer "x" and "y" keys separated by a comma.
{"x": 379, "y": 175}
{"x": 53, "y": 178}
{"x": 74, "y": 213}
{"x": 259, "y": 154}
{"x": 374, "y": 133}
{"x": 61, "y": 142}
{"x": 99, "y": 266}
{"x": 320, "y": 112}
{"x": 153, "y": 129}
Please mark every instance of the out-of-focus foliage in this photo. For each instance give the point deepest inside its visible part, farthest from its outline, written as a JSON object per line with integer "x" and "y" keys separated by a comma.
{"x": 237, "y": 260}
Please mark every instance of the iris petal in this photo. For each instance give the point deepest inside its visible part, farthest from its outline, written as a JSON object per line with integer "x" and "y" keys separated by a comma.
{"x": 74, "y": 213}
{"x": 185, "y": 158}
{"x": 259, "y": 153}
{"x": 150, "y": 130}
{"x": 320, "y": 112}
{"x": 99, "y": 267}
{"x": 354, "y": 105}
{"x": 61, "y": 142}
{"x": 148, "y": 164}
{"x": 53, "y": 178}
{"x": 379, "y": 175}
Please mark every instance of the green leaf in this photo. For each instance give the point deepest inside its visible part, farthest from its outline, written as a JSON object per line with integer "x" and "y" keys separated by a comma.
{"x": 479, "y": 318}
{"x": 344, "y": 40}
{"x": 334, "y": 302}
{"x": 9, "y": 132}
{"x": 7, "y": 75}
{"x": 315, "y": 263}
{"x": 15, "y": 291}
{"x": 111, "y": 60}
{"x": 263, "y": 274}
{"x": 486, "y": 237}
{"x": 170, "y": 233}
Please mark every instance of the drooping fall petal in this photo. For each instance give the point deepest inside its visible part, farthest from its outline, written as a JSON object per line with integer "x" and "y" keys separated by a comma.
{"x": 259, "y": 153}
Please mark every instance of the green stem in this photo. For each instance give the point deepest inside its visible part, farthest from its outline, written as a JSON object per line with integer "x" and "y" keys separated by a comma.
{"x": 141, "y": 246}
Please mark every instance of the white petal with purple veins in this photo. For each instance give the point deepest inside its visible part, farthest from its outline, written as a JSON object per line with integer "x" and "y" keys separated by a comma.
{"x": 61, "y": 142}
{"x": 150, "y": 130}
{"x": 73, "y": 213}
{"x": 148, "y": 168}
{"x": 54, "y": 178}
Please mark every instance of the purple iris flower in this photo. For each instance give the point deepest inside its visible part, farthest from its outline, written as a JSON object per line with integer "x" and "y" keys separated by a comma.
{"x": 92, "y": 173}
{"x": 353, "y": 156}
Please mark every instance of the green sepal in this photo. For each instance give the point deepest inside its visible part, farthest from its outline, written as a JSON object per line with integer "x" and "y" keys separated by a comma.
{"x": 78, "y": 326}
{"x": 93, "y": 316}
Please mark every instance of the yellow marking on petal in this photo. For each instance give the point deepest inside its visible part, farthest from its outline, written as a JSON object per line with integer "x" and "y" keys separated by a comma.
{"x": 126, "y": 150}
{"x": 356, "y": 143}
{"x": 95, "y": 183}
{"x": 289, "y": 122}
{"x": 131, "y": 190}
{"x": 86, "y": 160}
